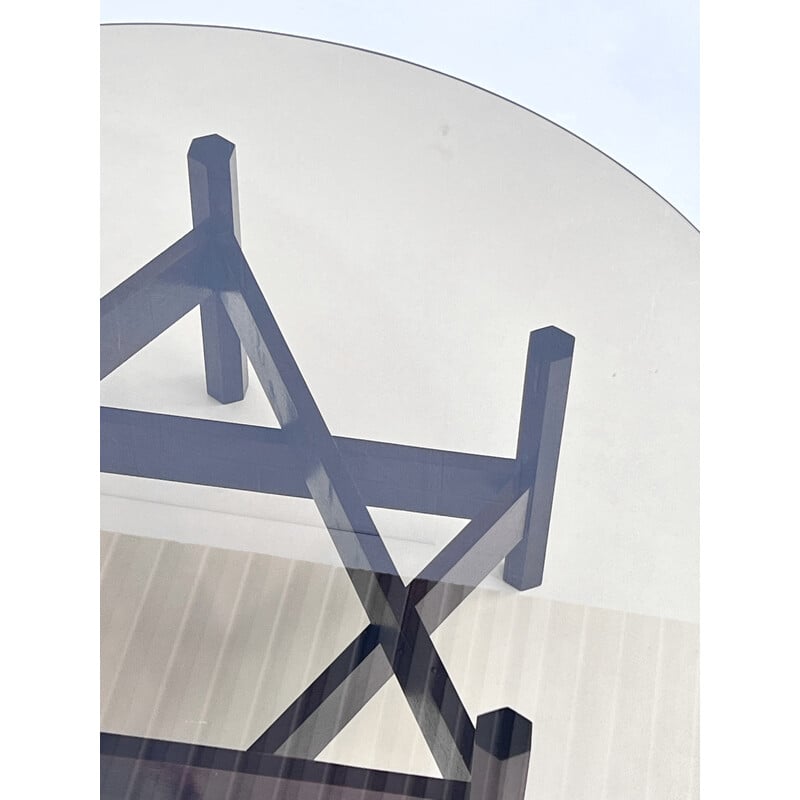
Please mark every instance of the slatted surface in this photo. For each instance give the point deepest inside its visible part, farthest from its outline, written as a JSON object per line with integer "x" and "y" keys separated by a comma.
{"x": 208, "y": 646}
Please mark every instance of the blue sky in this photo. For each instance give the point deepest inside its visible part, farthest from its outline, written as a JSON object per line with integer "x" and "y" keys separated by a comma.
{"x": 622, "y": 74}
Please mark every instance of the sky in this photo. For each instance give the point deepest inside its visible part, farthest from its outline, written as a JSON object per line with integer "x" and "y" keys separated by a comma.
{"x": 621, "y": 74}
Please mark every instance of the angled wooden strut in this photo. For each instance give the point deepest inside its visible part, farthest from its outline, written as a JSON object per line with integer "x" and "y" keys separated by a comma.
{"x": 508, "y": 500}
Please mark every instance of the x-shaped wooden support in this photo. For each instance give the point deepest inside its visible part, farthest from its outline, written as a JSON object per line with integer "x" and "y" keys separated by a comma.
{"x": 207, "y": 267}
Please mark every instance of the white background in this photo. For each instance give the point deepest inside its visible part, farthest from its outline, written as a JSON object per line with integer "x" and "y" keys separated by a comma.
{"x": 622, "y": 74}
{"x": 749, "y": 171}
